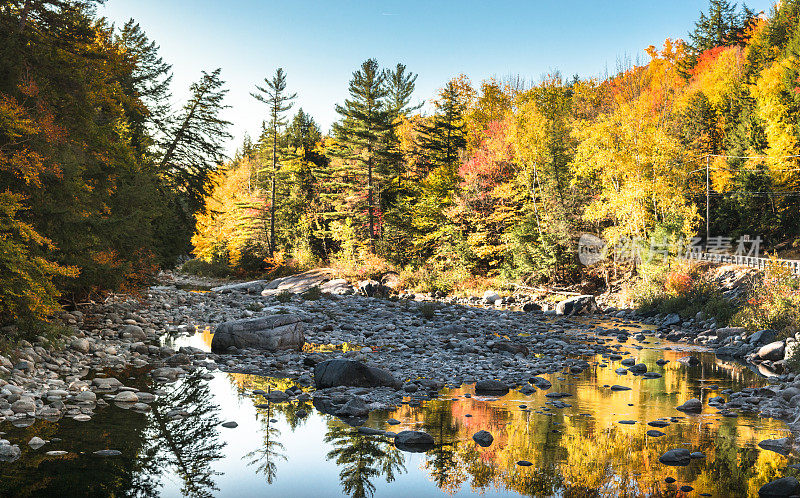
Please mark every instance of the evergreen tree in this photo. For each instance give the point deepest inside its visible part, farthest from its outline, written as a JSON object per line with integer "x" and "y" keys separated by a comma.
{"x": 366, "y": 119}
{"x": 276, "y": 97}
{"x": 194, "y": 146}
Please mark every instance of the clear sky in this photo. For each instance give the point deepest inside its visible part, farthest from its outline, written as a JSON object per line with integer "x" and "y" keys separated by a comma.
{"x": 320, "y": 43}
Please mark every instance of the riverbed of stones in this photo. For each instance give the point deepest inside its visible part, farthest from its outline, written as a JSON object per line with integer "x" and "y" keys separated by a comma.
{"x": 423, "y": 342}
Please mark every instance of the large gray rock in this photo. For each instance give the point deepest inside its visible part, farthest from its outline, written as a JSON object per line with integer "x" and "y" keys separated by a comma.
{"x": 785, "y": 486}
{"x": 694, "y": 405}
{"x": 414, "y": 441}
{"x": 492, "y": 387}
{"x": 337, "y": 286}
{"x": 772, "y": 351}
{"x": 726, "y": 332}
{"x": 298, "y": 284}
{"x": 762, "y": 337}
{"x": 578, "y": 305}
{"x": 373, "y": 288}
{"x": 780, "y": 446}
{"x": 342, "y": 372}
{"x": 671, "y": 319}
{"x": 483, "y": 438}
{"x": 490, "y": 297}
{"x": 272, "y": 333}
{"x": 679, "y": 457}
{"x": 355, "y": 407}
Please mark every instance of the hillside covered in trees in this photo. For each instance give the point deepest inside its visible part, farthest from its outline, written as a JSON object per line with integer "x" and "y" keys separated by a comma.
{"x": 102, "y": 181}
{"x": 500, "y": 178}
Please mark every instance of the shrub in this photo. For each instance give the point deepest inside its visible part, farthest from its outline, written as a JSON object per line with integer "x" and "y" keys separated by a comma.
{"x": 312, "y": 294}
{"x": 284, "y": 297}
{"x": 683, "y": 288}
{"x": 427, "y": 310}
{"x": 773, "y": 303}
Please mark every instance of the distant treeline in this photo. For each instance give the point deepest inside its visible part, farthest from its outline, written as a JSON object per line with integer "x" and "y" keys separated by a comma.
{"x": 502, "y": 178}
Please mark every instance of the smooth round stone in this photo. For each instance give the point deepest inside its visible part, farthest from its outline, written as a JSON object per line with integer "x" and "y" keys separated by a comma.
{"x": 82, "y": 417}
{"x": 524, "y": 463}
{"x": 655, "y": 433}
{"x": 56, "y": 453}
{"x": 229, "y": 425}
{"x": 107, "y": 453}
{"x": 126, "y": 397}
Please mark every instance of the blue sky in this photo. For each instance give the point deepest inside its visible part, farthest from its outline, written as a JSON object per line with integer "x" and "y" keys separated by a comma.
{"x": 320, "y": 43}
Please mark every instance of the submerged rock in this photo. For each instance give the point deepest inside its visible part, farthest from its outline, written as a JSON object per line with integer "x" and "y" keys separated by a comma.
{"x": 491, "y": 386}
{"x": 693, "y": 405}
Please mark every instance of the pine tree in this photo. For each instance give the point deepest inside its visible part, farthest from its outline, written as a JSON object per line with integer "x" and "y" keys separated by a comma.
{"x": 445, "y": 136}
{"x": 275, "y": 96}
{"x": 366, "y": 119}
{"x": 194, "y": 147}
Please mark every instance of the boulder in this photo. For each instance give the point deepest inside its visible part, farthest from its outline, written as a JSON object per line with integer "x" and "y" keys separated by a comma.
{"x": 490, "y": 297}
{"x": 413, "y": 441}
{"x": 355, "y": 407}
{"x": 761, "y": 337}
{"x": 337, "y": 286}
{"x": 483, "y": 438}
{"x": 528, "y": 307}
{"x": 726, "y": 332}
{"x": 134, "y": 330}
{"x": 272, "y": 333}
{"x": 578, "y": 305}
{"x": 80, "y": 344}
{"x": 638, "y": 368}
{"x": 693, "y": 405}
{"x": 785, "y": 486}
{"x": 772, "y": 351}
{"x": 342, "y": 372}
{"x": 298, "y": 284}
{"x": 671, "y": 319}
{"x": 254, "y": 286}
{"x": 679, "y": 457}
{"x": 491, "y": 387}
{"x": 540, "y": 382}
{"x": 780, "y": 446}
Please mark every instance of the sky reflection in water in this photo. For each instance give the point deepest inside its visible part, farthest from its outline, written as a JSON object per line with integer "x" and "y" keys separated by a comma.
{"x": 582, "y": 450}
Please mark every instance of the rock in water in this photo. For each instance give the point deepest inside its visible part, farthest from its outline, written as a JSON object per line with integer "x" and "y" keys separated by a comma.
{"x": 692, "y": 406}
{"x": 413, "y": 441}
{"x": 578, "y": 305}
{"x": 273, "y": 333}
{"x": 780, "y": 446}
{"x": 355, "y": 407}
{"x": 679, "y": 457}
{"x": 785, "y": 486}
{"x": 342, "y": 372}
{"x": 483, "y": 438}
{"x": 493, "y": 387}
{"x": 689, "y": 361}
{"x": 540, "y": 382}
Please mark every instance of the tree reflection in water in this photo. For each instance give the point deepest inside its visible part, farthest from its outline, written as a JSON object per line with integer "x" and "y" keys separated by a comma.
{"x": 187, "y": 445}
{"x": 361, "y": 458}
{"x": 266, "y": 456}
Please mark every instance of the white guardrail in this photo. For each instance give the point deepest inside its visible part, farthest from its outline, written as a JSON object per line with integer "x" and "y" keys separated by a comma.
{"x": 756, "y": 262}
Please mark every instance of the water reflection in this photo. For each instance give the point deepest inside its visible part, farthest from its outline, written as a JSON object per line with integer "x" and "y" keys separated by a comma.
{"x": 290, "y": 448}
{"x": 183, "y": 437}
{"x": 361, "y": 458}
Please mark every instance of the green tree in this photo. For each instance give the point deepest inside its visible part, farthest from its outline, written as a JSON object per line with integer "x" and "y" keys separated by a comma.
{"x": 366, "y": 119}
{"x": 276, "y": 97}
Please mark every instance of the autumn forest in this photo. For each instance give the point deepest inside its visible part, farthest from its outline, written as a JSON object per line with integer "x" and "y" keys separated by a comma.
{"x": 104, "y": 181}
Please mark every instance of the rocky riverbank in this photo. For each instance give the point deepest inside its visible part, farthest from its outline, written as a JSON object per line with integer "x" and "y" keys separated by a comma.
{"x": 389, "y": 350}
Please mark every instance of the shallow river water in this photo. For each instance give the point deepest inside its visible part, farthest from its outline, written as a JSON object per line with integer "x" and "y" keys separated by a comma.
{"x": 582, "y": 450}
